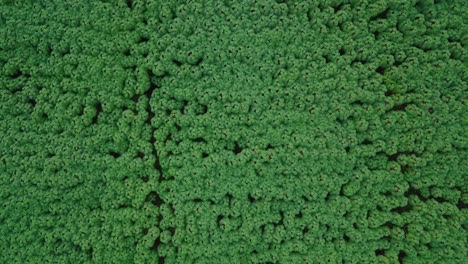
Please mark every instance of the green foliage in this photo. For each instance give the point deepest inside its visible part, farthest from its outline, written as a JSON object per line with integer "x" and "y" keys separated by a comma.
{"x": 243, "y": 132}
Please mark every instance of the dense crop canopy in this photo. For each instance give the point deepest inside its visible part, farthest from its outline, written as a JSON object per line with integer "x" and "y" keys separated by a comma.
{"x": 233, "y": 131}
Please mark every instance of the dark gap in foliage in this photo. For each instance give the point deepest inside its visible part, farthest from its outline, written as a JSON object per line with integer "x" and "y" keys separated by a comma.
{"x": 154, "y": 198}
{"x": 388, "y": 238}
{"x": 32, "y": 102}
{"x": 229, "y": 196}
{"x": 156, "y": 244}
{"x": 89, "y": 252}
{"x": 152, "y": 85}
{"x": 401, "y": 256}
{"x": 340, "y": 26}
{"x": 49, "y": 49}
{"x": 400, "y": 107}
{"x": 281, "y": 221}
{"x": 16, "y": 74}
{"x": 338, "y": 7}
{"x": 150, "y": 115}
{"x": 402, "y": 209}
{"x": 98, "y": 111}
{"x": 199, "y": 140}
{"x": 439, "y": 199}
{"x": 149, "y": 94}
{"x": 398, "y": 63}
{"x": 135, "y": 98}
{"x": 405, "y": 228}
{"x": 157, "y": 166}
{"x": 177, "y": 62}
{"x": 342, "y": 52}
{"x": 251, "y": 198}
{"x": 219, "y": 218}
{"x": 381, "y": 15}
{"x": 346, "y": 214}
{"x": 422, "y": 48}
{"x": 132, "y": 68}
{"x": 184, "y": 105}
{"x": 380, "y": 70}
{"x": 376, "y": 34}
{"x": 342, "y": 191}
{"x": 452, "y": 39}
{"x": 143, "y": 39}
{"x": 197, "y": 62}
{"x": 168, "y": 138}
{"x": 404, "y": 169}
{"x": 80, "y": 112}
{"x": 171, "y": 230}
{"x": 129, "y": 3}
{"x": 115, "y": 154}
{"x": 380, "y": 252}
{"x": 461, "y": 205}
{"x": 393, "y": 157}
{"x": 237, "y": 149}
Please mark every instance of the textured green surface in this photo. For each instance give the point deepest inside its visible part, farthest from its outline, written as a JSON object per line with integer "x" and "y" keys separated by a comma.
{"x": 252, "y": 132}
